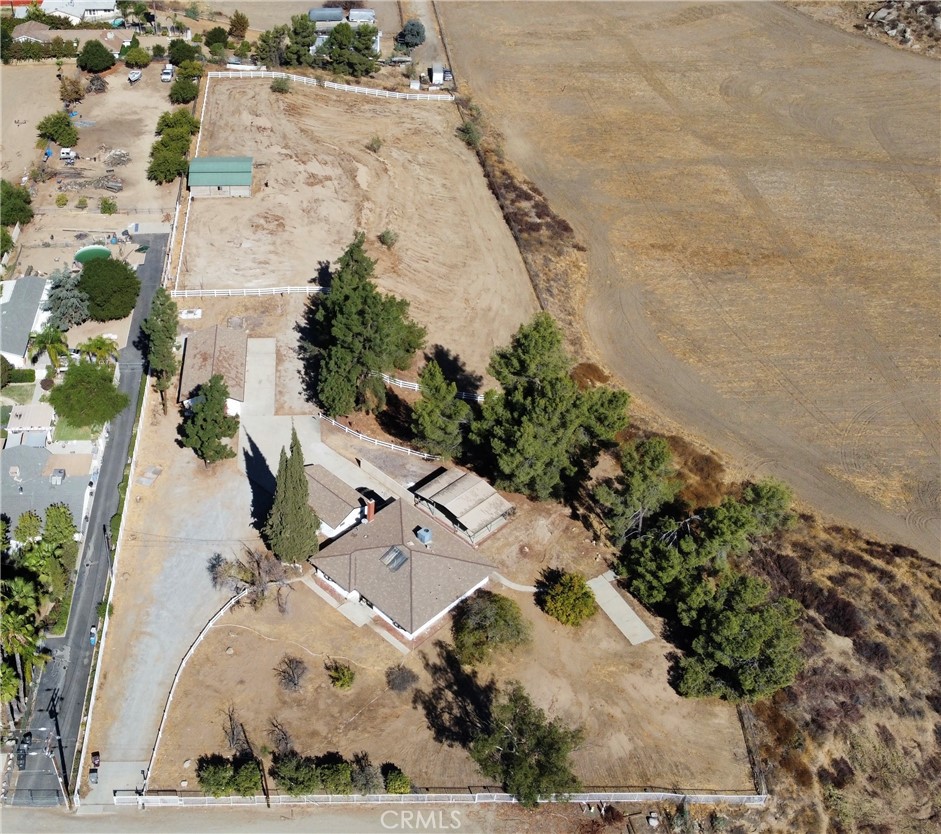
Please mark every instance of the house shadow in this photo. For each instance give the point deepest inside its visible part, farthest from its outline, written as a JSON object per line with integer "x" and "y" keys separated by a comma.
{"x": 454, "y": 369}
{"x": 458, "y": 704}
{"x": 262, "y": 482}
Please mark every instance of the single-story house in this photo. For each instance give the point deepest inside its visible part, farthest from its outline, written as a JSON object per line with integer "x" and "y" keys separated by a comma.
{"x": 21, "y": 313}
{"x": 337, "y": 504}
{"x": 220, "y": 176}
{"x": 81, "y": 11}
{"x": 31, "y": 425}
{"x": 325, "y": 19}
{"x": 402, "y": 565}
{"x": 35, "y": 32}
{"x": 217, "y": 350}
{"x": 471, "y": 505}
{"x": 31, "y": 480}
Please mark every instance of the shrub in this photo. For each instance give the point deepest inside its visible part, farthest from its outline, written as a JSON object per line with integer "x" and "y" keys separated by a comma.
{"x": 412, "y": 34}
{"x": 62, "y": 200}
{"x": 15, "y": 204}
{"x": 567, "y": 597}
{"x": 396, "y": 781}
{"x": 107, "y": 206}
{"x": 216, "y": 35}
{"x": 6, "y": 241}
{"x": 180, "y": 51}
{"x": 21, "y": 375}
{"x": 58, "y": 128}
{"x": 111, "y": 287}
{"x": 470, "y": 134}
{"x": 388, "y": 238}
{"x": 158, "y": 50}
{"x": 484, "y": 622}
{"x": 95, "y": 57}
{"x": 281, "y": 85}
{"x": 183, "y": 91}
{"x": 374, "y": 144}
{"x": 82, "y": 203}
{"x": 341, "y": 675}
{"x": 191, "y": 70}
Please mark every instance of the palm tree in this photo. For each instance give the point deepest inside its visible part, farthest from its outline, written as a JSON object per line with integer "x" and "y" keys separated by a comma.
{"x": 22, "y": 594}
{"x": 18, "y": 637}
{"x": 99, "y": 349}
{"x": 41, "y": 558}
{"x": 51, "y": 341}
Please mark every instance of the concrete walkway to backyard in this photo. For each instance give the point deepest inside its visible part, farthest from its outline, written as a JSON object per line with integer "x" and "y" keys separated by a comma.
{"x": 617, "y": 609}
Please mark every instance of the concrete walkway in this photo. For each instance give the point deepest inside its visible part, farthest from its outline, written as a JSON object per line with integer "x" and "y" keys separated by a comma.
{"x": 618, "y": 611}
{"x": 261, "y": 366}
{"x": 513, "y": 586}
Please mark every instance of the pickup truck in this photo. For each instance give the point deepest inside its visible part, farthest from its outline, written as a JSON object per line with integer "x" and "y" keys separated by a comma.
{"x": 167, "y": 73}
{"x": 134, "y": 76}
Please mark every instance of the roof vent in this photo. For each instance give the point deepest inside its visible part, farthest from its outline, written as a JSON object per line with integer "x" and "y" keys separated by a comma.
{"x": 424, "y": 535}
{"x": 15, "y": 473}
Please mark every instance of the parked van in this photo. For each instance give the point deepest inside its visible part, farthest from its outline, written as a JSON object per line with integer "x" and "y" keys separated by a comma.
{"x": 67, "y": 155}
{"x": 167, "y": 74}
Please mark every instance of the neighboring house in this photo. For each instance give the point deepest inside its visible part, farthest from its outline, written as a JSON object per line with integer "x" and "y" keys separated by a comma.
{"x": 35, "y": 32}
{"x": 338, "y": 505}
{"x": 404, "y": 566}
{"x": 30, "y": 425}
{"x": 21, "y": 313}
{"x": 34, "y": 479}
{"x": 220, "y": 176}
{"x": 362, "y": 17}
{"x": 81, "y": 11}
{"x": 218, "y": 350}
{"x": 472, "y": 506}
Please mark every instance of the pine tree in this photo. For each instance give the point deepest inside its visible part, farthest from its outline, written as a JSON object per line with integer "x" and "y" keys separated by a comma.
{"x": 161, "y": 328}
{"x": 207, "y": 423}
{"x": 291, "y": 528}
{"x": 439, "y": 418}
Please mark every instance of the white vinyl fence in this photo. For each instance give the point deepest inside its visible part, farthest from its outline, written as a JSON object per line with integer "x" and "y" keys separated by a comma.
{"x": 312, "y": 289}
{"x": 414, "y": 386}
{"x": 332, "y": 85}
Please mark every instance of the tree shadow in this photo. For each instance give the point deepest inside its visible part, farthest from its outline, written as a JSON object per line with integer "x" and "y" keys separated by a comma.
{"x": 308, "y": 348}
{"x": 454, "y": 369}
{"x": 324, "y": 276}
{"x": 548, "y": 578}
{"x": 396, "y": 417}
{"x": 262, "y": 482}
{"x": 458, "y": 704}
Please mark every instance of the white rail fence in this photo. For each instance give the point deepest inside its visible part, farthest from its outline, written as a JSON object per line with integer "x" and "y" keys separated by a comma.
{"x": 384, "y": 444}
{"x": 414, "y": 386}
{"x": 313, "y": 289}
{"x": 332, "y": 85}
{"x": 175, "y": 800}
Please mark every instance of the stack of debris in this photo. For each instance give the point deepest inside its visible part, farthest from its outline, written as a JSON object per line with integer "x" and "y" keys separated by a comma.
{"x": 113, "y": 157}
{"x": 903, "y": 20}
{"x": 96, "y": 84}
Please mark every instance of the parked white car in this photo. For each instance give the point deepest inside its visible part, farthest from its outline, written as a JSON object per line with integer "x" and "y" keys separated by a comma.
{"x": 167, "y": 74}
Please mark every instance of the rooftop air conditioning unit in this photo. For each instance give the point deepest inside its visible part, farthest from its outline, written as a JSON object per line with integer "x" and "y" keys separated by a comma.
{"x": 424, "y": 536}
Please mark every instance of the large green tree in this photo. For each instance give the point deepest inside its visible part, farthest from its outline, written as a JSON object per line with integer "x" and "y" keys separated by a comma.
{"x": 112, "y": 288}
{"x": 440, "y": 418}
{"x": 66, "y": 303}
{"x": 358, "y": 332}
{"x": 238, "y": 24}
{"x": 14, "y": 204}
{"x": 179, "y": 51}
{"x": 206, "y": 424}
{"x": 647, "y": 482}
{"x": 541, "y": 424}
{"x": 95, "y": 57}
{"x": 87, "y": 396}
{"x": 486, "y": 622}
{"x": 748, "y": 645}
{"x": 526, "y": 751}
{"x": 183, "y": 91}
{"x": 291, "y": 528}
{"x": 161, "y": 329}
{"x": 349, "y": 50}
{"x": 58, "y": 128}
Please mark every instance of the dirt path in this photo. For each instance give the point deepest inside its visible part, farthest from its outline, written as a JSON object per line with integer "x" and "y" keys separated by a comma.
{"x": 759, "y": 196}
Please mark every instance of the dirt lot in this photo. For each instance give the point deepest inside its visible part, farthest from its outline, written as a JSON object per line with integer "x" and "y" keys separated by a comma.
{"x": 638, "y": 730}
{"x": 759, "y": 197}
{"x": 455, "y": 260}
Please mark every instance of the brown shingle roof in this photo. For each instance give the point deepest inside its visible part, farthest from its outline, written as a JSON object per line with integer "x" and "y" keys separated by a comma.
{"x": 217, "y": 350}
{"x": 427, "y": 584}
{"x": 34, "y": 30}
{"x": 332, "y": 499}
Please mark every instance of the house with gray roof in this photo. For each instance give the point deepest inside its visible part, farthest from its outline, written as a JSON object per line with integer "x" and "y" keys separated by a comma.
{"x": 34, "y": 479}
{"x": 404, "y": 566}
{"x": 81, "y": 11}
{"x": 20, "y": 314}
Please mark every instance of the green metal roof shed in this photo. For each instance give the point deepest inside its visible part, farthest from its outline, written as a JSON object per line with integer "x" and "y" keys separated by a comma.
{"x": 222, "y": 176}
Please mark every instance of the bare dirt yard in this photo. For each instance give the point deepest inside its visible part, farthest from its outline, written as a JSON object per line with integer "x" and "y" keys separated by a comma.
{"x": 759, "y": 195}
{"x": 316, "y": 184}
{"x": 639, "y": 732}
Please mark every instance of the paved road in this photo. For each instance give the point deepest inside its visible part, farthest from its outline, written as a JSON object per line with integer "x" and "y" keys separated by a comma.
{"x": 60, "y": 692}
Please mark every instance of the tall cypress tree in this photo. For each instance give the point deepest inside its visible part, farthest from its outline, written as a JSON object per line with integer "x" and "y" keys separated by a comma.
{"x": 161, "y": 328}
{"x": 291, "y": 529}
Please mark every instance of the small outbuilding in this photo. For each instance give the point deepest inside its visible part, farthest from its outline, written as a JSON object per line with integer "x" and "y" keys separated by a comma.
{"x": 473, "y": 507}
{"x": 216, "y": 351}
{"x": 221, "y": 176}
{"x": 325, "y": 19}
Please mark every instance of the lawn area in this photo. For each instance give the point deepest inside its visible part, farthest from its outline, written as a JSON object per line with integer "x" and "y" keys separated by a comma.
{"x": 5, "y": 412}
{"x": 21, "y": 393}
{"x": 66, "y": 431}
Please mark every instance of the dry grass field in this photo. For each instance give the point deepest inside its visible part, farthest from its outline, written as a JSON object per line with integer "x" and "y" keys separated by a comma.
{"x": 455, "y": 260}
{"x": 759, "y": 196}
{"x": 638, "y": 731}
